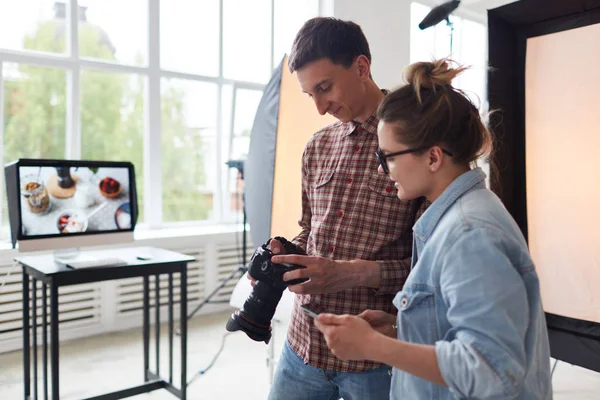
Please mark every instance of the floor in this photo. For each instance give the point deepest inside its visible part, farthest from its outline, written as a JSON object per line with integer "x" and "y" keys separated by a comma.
{"x": 97, "y": 365}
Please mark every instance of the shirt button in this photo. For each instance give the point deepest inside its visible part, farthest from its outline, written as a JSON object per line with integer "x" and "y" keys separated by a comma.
{"x": 340, "y": 214}
{"x": 331, "y": 249}
{"x": 404, "y": 302}
{"x": 387, "y": 189}
{"x": 356, "y": 148}
{"x": 349, "y": 180}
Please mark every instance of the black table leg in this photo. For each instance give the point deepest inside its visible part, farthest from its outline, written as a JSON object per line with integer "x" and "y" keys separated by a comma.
{"x": 157, "y": 321}
{"x": 45, "y": 336}
{"x": 34, "y": 334}
{"x": 54, "y": 339}
{"x": 171, "y": 328}
{"x": 183, "y": 322}
{"x": 26, "y": 354}
{"x": 146, "y": 328}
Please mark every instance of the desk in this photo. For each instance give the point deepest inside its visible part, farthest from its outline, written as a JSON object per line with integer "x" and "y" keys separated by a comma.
{"x": 53, "y": 275}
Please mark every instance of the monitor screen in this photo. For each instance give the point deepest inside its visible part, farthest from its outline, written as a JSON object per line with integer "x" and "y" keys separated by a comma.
{"x": 59, "y": 198}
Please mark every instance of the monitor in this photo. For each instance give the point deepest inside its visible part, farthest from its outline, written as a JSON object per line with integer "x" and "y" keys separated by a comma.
{"x": 61, "y": 204}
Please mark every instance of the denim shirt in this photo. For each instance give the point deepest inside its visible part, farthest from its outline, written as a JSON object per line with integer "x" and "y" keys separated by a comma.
{"x": 473, "y": 293}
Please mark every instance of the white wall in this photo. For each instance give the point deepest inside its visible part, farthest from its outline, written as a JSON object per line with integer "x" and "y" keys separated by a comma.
{"x": 386, "y": 24}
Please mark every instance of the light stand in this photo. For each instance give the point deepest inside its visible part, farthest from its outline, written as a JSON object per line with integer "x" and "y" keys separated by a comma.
{"x": 242, "y": 268}
{"x": 440, "y": 13}
{"x": 451, "y": 26}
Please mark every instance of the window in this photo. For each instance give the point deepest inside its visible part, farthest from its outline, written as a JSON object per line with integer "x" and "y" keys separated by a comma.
{"x": 114, "y": 29}
{"x": 170, "y": 85}
{"x": 247, "y": 40}
{"x": 188, "y": 145}
{"x": 31, "y": 25}
{"x": 34, "y": 115}
{"x": 289, "y": 17}
{"x": 469, "y": 48}
{"x": 241, "y": 112}
{"x": 112, "y": 121}
{"x": 185, "y": 26}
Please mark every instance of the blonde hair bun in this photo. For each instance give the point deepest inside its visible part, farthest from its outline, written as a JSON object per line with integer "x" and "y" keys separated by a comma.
{"x": 431, "y": 75}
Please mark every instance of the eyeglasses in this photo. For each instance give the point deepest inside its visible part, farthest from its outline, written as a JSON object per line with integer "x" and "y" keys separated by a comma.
{"x": 383, "y": 157}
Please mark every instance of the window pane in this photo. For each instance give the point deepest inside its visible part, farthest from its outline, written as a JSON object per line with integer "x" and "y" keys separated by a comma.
{"x": 247, "y": 40}
{"x": 189, "y": 148}
{"x": 34, "y": 115}
{"x": 33, "y": 25}
{"x": 114, "y": 30}
{"x": 289, "y": 18}
{"x": 112, "y": 121}
{"x": 236, "y": 146}
{"x": 34, "y": 112}
{"x": 469, "y": 48}
{"x": 229, "y": 175}
{"x": 474, "y": 54}
{"x": 185, "y": 25}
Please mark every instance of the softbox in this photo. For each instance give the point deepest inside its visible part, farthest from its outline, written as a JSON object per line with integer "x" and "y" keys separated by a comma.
{"x": 544, "y": 82}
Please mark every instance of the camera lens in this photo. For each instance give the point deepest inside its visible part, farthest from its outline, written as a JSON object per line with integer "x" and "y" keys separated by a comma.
{"x": 254, "y": 318}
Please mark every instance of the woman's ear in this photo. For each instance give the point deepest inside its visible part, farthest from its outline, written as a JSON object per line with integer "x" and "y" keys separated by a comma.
{"x": 436, "y": 155}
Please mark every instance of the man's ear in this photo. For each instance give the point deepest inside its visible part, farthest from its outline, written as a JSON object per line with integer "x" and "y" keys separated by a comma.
{"x": 363, "y": 67}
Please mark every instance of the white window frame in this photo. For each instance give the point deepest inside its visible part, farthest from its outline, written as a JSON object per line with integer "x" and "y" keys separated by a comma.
{"x": 72, "y": 65}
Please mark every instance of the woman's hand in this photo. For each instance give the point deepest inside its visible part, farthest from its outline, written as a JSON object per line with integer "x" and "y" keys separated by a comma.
{"x": 349, "y": 337}
{"x": 381, "y": 321}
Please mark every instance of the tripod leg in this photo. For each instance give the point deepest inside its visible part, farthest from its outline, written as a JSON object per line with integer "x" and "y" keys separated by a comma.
{"x": 241, "y": 268}
{"x": 212, "y": 294}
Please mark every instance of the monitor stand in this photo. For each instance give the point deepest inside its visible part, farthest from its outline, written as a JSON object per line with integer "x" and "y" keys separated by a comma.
{"x": 66, "y": 256}
{"x": 75, "y": 258}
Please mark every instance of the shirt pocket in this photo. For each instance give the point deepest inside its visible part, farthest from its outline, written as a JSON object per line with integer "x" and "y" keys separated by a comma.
{"x": 382, "y": 185}
{"x": 324, "y": 178}
{"x": 416, "y": 319}
{"x": 322, "y": 196}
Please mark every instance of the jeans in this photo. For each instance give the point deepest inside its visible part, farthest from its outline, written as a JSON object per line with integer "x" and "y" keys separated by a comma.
{"x": 295, "y": 380}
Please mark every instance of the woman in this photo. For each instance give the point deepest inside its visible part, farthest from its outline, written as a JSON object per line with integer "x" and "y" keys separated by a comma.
{"x": 470, "y": 322}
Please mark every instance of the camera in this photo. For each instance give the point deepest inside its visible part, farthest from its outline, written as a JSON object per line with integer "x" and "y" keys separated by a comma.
{"x": 254, "y": 318}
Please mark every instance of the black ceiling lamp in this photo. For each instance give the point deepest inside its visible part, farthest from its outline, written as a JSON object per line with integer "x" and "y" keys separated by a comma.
{"x": 440, "y": 13}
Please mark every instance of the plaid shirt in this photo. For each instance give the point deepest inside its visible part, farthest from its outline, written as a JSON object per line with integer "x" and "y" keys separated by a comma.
{"x": 349, "y": 211}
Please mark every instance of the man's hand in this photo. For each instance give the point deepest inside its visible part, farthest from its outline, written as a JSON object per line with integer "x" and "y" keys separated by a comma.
{"x": 325, "y": 276}
{"x": 277, "y": 248}
{"x": 381, "y": 321}
{"x": 349, "y": 337}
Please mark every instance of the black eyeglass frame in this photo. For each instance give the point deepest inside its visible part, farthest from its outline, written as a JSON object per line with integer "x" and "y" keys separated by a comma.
{"x": 383, "y": 157}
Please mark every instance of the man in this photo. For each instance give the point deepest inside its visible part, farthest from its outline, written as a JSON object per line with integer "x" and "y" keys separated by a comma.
{"x": 355, "y": 230}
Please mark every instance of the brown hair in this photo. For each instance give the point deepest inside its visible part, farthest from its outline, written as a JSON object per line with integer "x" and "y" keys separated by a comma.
{"x": 325, "y": 37}
{"x": 428, "y": 111}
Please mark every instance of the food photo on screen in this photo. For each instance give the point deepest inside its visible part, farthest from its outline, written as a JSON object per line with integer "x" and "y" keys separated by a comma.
{"x": 66, "y": 200}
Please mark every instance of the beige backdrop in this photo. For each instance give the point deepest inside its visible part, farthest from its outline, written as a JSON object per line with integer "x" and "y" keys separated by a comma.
{"x": 563, "y": 169}
{"x": 298, "y": 121}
